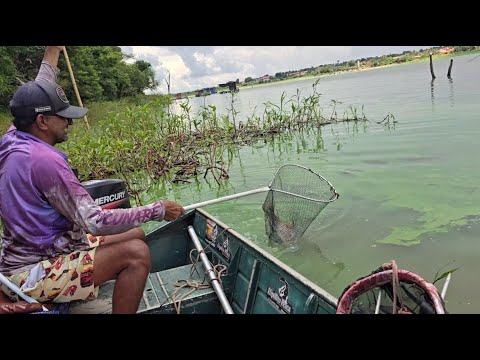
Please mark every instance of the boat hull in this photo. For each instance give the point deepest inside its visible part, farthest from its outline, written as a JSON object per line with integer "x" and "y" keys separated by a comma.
{"x": 253, "y": 281}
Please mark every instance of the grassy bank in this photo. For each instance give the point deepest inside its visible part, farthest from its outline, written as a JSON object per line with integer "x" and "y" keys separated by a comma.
{"x": 5, "y": 120}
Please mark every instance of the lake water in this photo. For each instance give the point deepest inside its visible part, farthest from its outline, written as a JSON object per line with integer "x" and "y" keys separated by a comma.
{"x": 408, "y": 192}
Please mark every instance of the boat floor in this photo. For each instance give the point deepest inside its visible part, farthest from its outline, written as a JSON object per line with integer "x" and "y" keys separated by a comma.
{"x": 164, "y": 290}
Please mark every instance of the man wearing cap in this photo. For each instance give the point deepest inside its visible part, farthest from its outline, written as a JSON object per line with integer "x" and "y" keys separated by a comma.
{"x": 57, "y": 244}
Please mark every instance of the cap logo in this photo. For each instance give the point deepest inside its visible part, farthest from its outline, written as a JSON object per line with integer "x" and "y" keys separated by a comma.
{"x": 61, "y": 94}
{"x": 43, "y": 109}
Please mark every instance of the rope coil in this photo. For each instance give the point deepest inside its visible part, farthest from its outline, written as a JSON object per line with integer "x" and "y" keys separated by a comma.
{"x": 180, "y": 284}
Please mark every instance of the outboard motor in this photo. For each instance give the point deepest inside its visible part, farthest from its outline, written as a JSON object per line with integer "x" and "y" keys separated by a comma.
{"x": 108, "y": 193}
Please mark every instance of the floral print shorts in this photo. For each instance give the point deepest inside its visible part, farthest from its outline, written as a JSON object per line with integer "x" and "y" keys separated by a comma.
{"x": 63, "y": 278}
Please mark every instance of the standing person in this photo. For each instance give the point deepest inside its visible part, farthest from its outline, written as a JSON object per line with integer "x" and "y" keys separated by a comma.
{"x": 57, "y": 244}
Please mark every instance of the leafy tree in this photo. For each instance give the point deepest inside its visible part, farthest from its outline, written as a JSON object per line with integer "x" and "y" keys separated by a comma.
{"x": 18, "y": 64}
{"x": 146, "y": 76}
{"x": 7, "y": 76}
{"x": 101, "y": 72}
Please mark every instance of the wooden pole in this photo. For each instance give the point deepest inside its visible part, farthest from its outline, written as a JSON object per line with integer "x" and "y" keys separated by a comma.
{"x": 431, "y": 67}
{"x": 450, "y": 69}
{"x": 74, "y": 84}
{"x": 168, "y": 82}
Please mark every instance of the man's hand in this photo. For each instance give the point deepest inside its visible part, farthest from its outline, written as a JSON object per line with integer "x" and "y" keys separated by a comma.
{"x": 172, "y": 210}
{"x": 20, "y": 307}
{"x": 52, "y": 53}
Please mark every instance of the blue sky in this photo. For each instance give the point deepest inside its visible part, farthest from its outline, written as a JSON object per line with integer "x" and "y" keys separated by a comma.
{"x": 195, "y": 67}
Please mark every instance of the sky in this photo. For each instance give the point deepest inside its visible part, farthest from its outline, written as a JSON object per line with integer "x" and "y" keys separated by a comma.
{"x": 196, "y": 67}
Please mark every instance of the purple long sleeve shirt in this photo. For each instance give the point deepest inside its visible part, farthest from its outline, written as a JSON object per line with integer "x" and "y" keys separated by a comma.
{"x": 45, "y": 209}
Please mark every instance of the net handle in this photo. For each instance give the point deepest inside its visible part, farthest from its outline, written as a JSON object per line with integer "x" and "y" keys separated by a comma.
{"x": 16, "y": 290}
{"x": 267, "y": 188}
{"x": 226, "y": 198}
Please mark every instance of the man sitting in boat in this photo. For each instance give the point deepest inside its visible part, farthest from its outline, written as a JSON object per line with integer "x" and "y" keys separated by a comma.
{"x": 58, "y": 245}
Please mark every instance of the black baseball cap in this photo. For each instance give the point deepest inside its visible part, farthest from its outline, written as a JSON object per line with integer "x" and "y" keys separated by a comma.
{"x": 43, "y": 97}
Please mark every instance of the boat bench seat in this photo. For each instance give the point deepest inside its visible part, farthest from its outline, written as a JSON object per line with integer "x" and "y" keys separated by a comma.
{"x": 160, "y": 293}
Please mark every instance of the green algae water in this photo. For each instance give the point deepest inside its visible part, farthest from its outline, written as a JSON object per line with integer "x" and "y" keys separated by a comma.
{"x": 409, "y": 191}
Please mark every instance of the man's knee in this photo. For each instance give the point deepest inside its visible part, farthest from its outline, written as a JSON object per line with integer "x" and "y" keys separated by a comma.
{"x": 137, "y": 250}
{"x": 113, "y": 258}
{"x": 135, "y": 233}
{"x": 139, "y": 233}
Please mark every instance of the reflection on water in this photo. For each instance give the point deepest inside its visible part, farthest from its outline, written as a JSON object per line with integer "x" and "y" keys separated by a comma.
{"x": 281, "y": 147}
{"x": 442, "y": 93}
{"x": 301, "y": 260}
{"x": 452, "y": 98}
{"x": 432, "y": 93}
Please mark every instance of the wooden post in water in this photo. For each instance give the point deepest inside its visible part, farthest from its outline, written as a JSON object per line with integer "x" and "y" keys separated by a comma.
{"x": 450, "y": 69}
{"x": 431, "y": 67}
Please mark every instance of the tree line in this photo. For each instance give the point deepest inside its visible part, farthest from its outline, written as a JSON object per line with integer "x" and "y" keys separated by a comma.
{"x": 101, "y": 72}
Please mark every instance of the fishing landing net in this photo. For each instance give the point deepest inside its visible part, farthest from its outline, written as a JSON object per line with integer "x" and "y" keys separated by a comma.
{"x": 389, "y": 290}
{"x": 295, "y": 198}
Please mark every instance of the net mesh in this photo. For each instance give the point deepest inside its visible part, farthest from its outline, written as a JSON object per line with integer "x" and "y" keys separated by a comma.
{"x": 415, "y": 300}
{"x": 297, "y": 195}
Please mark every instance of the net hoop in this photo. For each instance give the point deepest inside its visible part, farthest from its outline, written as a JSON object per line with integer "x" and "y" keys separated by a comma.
{"x": 334, "y": 197}
{"x": 384, "y": 277}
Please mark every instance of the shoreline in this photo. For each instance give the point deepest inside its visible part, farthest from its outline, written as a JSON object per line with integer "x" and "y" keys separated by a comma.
{"x": 425, "y": 59}
{"x": 272, "y": 83}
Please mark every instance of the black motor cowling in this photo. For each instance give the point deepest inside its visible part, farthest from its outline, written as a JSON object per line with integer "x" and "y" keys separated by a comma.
{"x": 108, "y": 193}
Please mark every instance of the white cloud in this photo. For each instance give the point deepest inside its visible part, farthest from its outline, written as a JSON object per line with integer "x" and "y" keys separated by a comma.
{"x": 207, "y": 60}
{"x": 195, "y": 67}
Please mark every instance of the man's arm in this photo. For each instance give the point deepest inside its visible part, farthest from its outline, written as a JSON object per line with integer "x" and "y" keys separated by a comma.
{"x": 66, "y": 194}
{"x": 48, "y": 68}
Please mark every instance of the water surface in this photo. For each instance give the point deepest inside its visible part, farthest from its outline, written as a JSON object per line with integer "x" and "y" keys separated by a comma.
{"x": 409, "y": 191}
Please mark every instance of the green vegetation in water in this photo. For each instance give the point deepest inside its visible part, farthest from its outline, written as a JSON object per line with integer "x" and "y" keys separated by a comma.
{"x": 431, "y": 215}
{"x": 146, "y": 144}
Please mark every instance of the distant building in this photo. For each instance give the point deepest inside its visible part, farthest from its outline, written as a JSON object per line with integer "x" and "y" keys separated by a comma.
{"x": 232, "y": 86}
{"x": 202, "y": 92}
{"x": 265, "y": 78}
{"x": 446, "y": 50}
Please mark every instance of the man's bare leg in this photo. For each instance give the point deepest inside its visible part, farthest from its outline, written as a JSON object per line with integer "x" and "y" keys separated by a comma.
{"x": 128, "y": 262}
